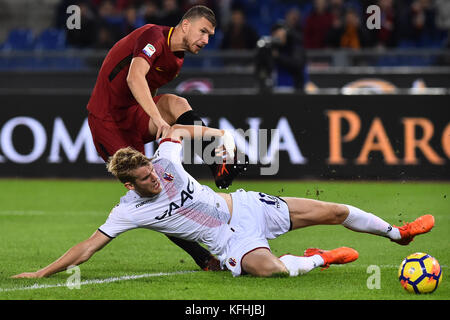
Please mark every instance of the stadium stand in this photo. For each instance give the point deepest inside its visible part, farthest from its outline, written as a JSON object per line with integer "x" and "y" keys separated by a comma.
{"x": 414, "y": 33}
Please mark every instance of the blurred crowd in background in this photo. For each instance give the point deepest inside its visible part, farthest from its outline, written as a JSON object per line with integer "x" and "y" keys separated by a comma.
{"x": 312, "y": 24}
{"x": 282, "y": 33}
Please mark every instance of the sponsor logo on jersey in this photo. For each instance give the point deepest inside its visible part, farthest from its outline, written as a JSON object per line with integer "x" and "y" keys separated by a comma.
{"x": 168, "y": 176}
{"x": 185, "y": 195}
{"x": 140, "y": 204}
{"x": 149, "y": 50}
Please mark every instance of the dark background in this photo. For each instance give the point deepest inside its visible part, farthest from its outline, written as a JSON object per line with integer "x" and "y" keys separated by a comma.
{"x": 305, "y": 114}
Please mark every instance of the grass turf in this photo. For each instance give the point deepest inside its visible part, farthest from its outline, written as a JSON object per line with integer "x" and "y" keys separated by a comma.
{"x": 41, "y": 219}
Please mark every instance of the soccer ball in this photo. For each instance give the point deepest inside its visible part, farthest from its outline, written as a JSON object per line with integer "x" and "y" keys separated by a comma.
{"x": 420, "y": 273}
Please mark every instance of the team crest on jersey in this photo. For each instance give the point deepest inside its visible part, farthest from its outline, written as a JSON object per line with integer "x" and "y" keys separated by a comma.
{"x": 232, "y": 262}
{"x": 149, "y": 50}
{"x": 168, "y": 176}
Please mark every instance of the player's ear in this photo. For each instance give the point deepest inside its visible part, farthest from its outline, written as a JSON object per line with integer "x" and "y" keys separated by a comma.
{"x": 185, "y": 25}
{"x": 129, "y": 185}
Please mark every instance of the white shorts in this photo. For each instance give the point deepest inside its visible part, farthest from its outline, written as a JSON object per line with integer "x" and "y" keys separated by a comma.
{"x": 256, "y": 218}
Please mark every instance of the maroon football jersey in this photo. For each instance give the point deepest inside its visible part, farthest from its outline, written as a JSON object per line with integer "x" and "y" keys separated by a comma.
{"x": 151, "y": 42}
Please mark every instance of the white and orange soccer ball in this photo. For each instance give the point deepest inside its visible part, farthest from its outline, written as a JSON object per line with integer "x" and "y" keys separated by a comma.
{"x": 420, "y": 273}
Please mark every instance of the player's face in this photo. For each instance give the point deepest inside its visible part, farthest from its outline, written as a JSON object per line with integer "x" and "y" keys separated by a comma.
{"x": 147, "y": 183}
{"x": 197, "y": 34}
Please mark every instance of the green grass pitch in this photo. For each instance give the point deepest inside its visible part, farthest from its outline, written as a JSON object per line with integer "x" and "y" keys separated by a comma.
{"x": 42, "y": 219}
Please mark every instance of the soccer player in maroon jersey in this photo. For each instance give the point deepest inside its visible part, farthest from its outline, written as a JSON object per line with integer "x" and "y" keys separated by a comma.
{"x": 124, "y": 109}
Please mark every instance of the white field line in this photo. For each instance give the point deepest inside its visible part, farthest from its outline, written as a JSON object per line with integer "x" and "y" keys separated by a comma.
{"x": 386, "y": 266}
{"x": 96, "y": 281}
{"x": 21, "y": 212}
{"x": 39, "y": 212}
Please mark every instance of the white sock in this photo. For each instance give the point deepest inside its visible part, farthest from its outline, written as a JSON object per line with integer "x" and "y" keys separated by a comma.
{"x": 361, "y": 221}
{"x": 300, "y": 265}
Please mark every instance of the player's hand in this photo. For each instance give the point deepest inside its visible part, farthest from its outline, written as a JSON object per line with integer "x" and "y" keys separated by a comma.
{"x": 27, "y": 275}
{"x": 228, "y": 148}
{"x": 163, "y": 128}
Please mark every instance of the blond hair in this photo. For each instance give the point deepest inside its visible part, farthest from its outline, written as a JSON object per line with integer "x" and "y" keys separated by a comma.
{"x": 124, "y": 161}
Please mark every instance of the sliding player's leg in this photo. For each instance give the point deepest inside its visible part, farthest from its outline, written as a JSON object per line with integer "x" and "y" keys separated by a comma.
{"x": 258, "y": 217}
{"x": 262, "y": 263}
{"x": 308, "y": 212}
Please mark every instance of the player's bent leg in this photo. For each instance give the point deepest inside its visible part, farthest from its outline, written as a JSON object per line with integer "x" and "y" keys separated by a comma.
{"x": 313, "y": 258}
{"x": 171, "y": 106}
{"x": 362, "y": 221}
{"x": 308, "y": 212}
{"x": 299, "y": 265}
{"x": 202, "y": 257}
{"x": 176, "y": 109}
{"x": 262, "y": 263}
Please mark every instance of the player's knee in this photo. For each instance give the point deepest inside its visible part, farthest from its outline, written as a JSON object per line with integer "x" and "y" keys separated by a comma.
{"x": 271, "y": 268}
{"x": 172, "y": 106}
{"x": 266, "y": 268}
{"x": 178, "y": 106}
{"x": 339, "y": 213}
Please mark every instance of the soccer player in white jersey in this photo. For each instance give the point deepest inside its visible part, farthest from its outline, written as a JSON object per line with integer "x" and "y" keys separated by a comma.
{"x": 163, "y": 197}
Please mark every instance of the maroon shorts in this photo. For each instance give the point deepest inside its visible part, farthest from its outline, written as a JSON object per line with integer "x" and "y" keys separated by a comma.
{"x": 130, "y": 130}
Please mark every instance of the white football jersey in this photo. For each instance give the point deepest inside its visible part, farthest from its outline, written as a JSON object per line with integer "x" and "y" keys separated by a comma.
{"x": 184, "y": 208}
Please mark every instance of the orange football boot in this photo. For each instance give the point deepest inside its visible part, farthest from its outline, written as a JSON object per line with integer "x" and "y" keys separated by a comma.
{"x": 421, "y": 225}
{"x": 340, "y": 255}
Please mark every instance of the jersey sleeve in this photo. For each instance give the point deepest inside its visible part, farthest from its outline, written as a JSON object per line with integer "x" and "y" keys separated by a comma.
{"x": 170, "y": 149}
{"x": 149, "y": 45}
{"x": 116, "y": 224}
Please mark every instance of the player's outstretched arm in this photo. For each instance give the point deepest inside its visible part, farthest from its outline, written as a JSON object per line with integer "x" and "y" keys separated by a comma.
{"x": 76, "y": 255}
{"x": 139, "y": 88}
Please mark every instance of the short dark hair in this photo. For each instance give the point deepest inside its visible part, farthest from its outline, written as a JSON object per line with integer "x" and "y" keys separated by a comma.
{"x": 200, "y": 11}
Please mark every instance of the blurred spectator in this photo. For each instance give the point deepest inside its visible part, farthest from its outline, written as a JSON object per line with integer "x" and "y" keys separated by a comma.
{"x": 131, "y": 20}
{"x": 110, "y": 18}
{"x": 443, "y": 14}
{"x": 317, "y": 25}
{"x": 337, "y": 25}
{"x": 105, "y": 40}
{"x": 171, "y": 13}
{"x": 122, "y": 5}
{"x": 150, "y": 11}
{"x": 420, "y": 26}
{"x": 292, "y": 20}
{"x": 239, "y": 34}
{"x": 289, "y": 57}
{"x": 422, "y": 23}
{"x": 85, "y": 36}
{"x": 107, "y": 11}
{"x": 443, "y": 23}
{"x": 349, "y": 34}
{"x": 279, "y": 53}
{"x": 337, "y": 10}
{"x": 223, "y": 12}
{"x": 387, "y": 35}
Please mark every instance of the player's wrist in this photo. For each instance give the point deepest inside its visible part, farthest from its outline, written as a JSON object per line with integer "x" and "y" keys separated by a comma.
{"x": 40, "y": 273}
